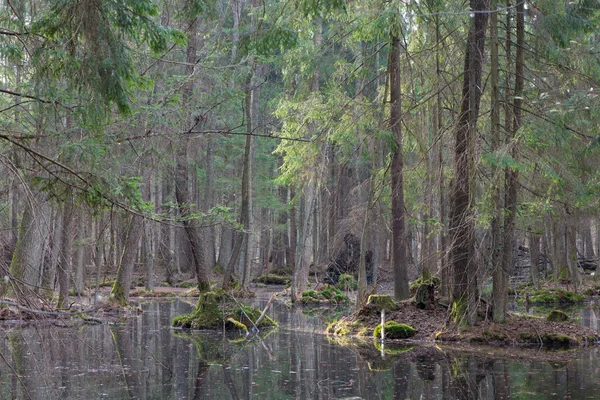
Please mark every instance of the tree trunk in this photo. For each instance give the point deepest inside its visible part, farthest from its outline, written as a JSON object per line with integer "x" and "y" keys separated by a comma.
{"x": 26, "y": 267}
{"x": 78, "y": 278}
{"x": 209, "y": 200}
{"x": 66, "y": 244}
{"x": 534, "y": 252}
{"x": 304, "y": 250}
{"x": 511, "y": 175}
{"x": 244, "y": 221}
{"x": 182, "y": 190}
{"x": 399, "y": 259}
{"x": 443, "y": 253}
{"x": 496, "y": 266}
{"x": 48, "y": 281}
{"x": 149, "y": 249}
{"x": 122, "y": 286}
{"x": 461, "y": 219}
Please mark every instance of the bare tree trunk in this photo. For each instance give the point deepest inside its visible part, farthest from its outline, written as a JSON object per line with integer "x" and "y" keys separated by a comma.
{"x": 399, "y": 258}
{"x": 78, "y": 278}
{"x": 48, "y": 281}
{"x": 461, "y": 219}
{"x": 209, "y": 201}
{"x": 443, "y": 253}
{"x": 498, "y": 272}
{"x": 26, "y": 267}
{"x": 511, "y": 175}
{"x": 304, "y": 253}
{"x": 182, "y": 190}
{"x": 587, "y": 239}
{"x": 149, "y": 249}
{"x": 66, "y": 244}
{"x": 244, "y": 221}
{"x": 122, "y": 286}
{"x": 534, "y": 252}
{"x": 293, "y": 235}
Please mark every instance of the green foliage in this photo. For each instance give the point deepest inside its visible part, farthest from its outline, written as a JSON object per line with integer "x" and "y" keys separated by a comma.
{"x": 84, "y": 44}
{"x": 312, "y": 8}
{"x": 395, "y": 330}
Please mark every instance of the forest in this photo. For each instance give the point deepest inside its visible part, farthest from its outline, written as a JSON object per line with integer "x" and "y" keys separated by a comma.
{"x": 148, "y": 143}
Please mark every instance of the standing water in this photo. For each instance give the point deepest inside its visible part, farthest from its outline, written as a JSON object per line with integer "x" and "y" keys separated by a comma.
{"x": 145, "y": 358}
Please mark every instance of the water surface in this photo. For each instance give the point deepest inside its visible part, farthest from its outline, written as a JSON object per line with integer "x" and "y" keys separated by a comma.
{"x": 146, "y": 359}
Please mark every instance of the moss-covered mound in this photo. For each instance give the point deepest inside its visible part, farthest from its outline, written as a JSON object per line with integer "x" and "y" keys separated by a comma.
{"x": 394, "y": 330}
{"x": 217, "y": 309}
{"x": 558, "y": 296}
{"x": 557, "y": 316}
{"x": 346, "y": 282}
{"x": 273, "y": 280}
{"x": 326, "y": 294}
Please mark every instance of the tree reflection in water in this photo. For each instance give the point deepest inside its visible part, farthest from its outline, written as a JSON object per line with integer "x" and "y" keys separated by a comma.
{"x": 146, "y": 359}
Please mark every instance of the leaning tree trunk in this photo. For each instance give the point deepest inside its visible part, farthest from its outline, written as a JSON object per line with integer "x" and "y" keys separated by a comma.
{"x": 399, "y": 259}
{"x": 461, "y": 218}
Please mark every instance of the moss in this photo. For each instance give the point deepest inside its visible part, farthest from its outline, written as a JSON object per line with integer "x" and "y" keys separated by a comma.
{"x": 557, "y": 296}
{"x": 557, "y": 316}
{"x": 347, "y": 282}
{"x": 273, "y": 280}
{"x": 186, "y": 285}
{"x": 327, "y": 294}
{"x": 394, "y": 330}
{"x": 382, "y": 301}
{"x": 117, "y": 294}
{"x": 235, "y": 324}
{"x": 216, "y": 307}
{"x": 432, "y": 280}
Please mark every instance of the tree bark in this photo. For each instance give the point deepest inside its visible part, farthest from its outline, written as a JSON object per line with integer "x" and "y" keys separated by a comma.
{"x": 399, "y": 259}
{"x": 122, "y": 286}
{"x": 182, "y": 191}
{"x": 66, "y": 244}
{"x": 461, "y": 218}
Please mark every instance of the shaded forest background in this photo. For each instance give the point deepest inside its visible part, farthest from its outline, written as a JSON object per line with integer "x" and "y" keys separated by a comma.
{"x": 178, "y": 139}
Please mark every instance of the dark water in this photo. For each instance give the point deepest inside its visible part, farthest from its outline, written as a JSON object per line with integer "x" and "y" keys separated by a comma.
{"x": 146, "y": 359}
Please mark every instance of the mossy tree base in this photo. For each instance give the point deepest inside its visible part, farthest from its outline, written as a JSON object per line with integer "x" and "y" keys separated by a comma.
{"x": 216, "y": 310}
